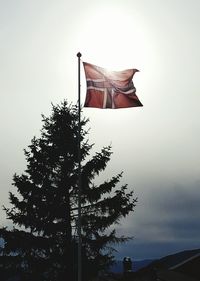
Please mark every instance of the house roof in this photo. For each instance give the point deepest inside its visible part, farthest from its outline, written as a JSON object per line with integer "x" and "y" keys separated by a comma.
{"x": 168, "y": 275}
{"x": 189, "y": 267}
{"x": 185, "y": 261}
{"x": 183, "y": 266}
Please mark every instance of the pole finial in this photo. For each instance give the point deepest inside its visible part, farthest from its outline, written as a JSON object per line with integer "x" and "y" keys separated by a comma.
{"x": 79, "y": 55}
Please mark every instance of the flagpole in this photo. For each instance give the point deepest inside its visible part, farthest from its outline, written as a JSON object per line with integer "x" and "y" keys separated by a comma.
{"x": 79, "y": 173}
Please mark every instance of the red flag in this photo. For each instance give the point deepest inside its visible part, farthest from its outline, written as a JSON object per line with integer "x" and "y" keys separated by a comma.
{"x": 110, "y": 89}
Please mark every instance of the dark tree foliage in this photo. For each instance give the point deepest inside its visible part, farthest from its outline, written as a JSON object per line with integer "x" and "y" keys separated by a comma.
{"x": 42, "y": 244}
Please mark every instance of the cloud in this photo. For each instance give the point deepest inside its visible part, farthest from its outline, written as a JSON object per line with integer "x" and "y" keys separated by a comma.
{"x": 167, "y": 221}
{"x": 178, "y": 210}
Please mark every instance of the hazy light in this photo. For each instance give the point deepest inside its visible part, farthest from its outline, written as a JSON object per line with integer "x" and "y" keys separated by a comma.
{"x": 107, "y": 38}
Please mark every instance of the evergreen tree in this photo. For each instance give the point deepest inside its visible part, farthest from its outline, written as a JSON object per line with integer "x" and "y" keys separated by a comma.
{"x": 42, "y": 244}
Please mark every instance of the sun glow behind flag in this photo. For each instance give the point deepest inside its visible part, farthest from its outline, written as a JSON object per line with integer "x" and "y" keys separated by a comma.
{"x": 110, "y": 89}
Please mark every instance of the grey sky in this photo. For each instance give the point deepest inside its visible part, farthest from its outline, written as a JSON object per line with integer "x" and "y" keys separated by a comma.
{"x": 157, "y": 146}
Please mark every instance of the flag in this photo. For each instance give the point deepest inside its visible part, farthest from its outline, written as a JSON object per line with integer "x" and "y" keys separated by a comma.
{"x": 110, "y": 89}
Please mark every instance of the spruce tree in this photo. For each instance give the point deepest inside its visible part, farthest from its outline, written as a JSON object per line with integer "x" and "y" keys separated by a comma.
{"x": 42, "y": 245}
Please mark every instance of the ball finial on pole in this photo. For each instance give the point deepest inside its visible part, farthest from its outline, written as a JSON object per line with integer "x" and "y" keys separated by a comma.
{"x": 79, "y": 55}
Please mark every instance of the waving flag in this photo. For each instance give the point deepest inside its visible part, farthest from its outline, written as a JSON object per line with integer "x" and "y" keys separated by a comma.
{"x": 110, "y": 89}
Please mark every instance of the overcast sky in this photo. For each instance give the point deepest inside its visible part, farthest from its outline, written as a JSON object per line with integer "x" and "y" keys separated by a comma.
{"x": 157, "y": 146}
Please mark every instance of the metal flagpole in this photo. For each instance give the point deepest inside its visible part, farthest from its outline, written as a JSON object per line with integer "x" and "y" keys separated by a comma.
{"x": 79, "y": 173}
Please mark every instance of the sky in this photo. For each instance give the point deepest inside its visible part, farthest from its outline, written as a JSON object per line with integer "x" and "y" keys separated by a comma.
{"x": 157, "y": 146}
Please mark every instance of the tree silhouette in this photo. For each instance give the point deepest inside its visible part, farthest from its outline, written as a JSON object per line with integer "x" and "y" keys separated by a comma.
{"x": 42, "y": 245}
